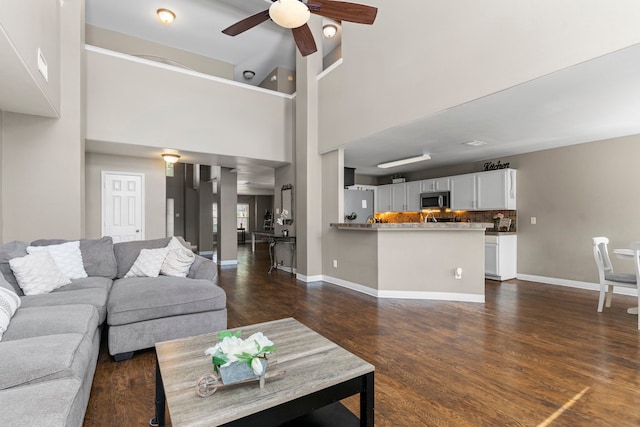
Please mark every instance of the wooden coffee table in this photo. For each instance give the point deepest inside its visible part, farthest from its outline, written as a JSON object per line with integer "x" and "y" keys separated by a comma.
{"x": 318, "y": 373}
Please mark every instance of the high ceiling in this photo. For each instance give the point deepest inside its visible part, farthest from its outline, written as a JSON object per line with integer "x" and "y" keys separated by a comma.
{"x": 590, "y": 101}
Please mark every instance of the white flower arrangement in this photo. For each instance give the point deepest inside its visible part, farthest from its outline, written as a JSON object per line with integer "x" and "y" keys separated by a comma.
{"x": 282, "y": 219}
{"x": 232, "y": 349}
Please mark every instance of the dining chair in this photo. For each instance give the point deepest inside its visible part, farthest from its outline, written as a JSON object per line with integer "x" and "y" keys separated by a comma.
{"x": 608, "y": 278}
{"x": 635, "y": 247}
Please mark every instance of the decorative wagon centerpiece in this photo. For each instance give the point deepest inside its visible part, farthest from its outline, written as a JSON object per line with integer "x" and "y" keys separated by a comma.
{"x": 236, "y": 360}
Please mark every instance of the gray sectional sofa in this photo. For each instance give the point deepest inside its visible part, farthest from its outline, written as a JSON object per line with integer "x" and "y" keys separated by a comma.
{"x": 49, "y": 351}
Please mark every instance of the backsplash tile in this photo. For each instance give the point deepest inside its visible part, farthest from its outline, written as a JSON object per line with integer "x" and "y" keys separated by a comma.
{"x": 462, "y": 216}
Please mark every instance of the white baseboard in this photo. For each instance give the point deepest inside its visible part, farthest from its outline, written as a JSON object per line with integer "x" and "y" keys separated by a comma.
{"x": 227, "y": 262}
{"x": 307, "y": 279}
{"x": 575, "y": 284}
{"x": 440, "y": 296}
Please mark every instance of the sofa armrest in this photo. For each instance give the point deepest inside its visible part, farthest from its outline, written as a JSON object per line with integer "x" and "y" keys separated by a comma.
{"x": 203, "y": 268}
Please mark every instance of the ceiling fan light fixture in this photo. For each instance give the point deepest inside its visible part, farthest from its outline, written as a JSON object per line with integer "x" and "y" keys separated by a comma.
{"x": 166, "y": 16}
{"x": 404, "y": 161}
{"x": 171, "y": 158}
{"x": 329, "y": 30}
{"x": 289, "y": 13}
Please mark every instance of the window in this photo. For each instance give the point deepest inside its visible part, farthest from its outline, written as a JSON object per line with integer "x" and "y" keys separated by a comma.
{"x": 242, "y": 213}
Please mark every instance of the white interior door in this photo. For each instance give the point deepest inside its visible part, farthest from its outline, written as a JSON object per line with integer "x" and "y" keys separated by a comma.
{"x": 123, "y": 206}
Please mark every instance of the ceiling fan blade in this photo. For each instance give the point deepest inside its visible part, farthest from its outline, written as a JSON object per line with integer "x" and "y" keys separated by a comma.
{"x": 304, "y": 40}
{"x": 344, "y": 11}
{"x": 247, "y": 23}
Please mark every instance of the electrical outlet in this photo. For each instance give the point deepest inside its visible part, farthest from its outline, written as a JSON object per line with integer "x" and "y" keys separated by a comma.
{"x": 533, "y": 220}
{"x": 457, "y": 273}
{"x": 335, "y": 263}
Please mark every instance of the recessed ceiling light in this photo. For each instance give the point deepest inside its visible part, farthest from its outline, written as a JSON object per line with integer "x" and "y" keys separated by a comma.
{"x": 404, "y": 161}
{"x": 167, "y": 16}
{"x": 475, "y": 143}
{"x": 329, "y": 30}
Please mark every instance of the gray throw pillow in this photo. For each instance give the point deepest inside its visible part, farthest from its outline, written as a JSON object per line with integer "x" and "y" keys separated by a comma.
{"x": 8, "y": 251}
{"x": 97, "y": 255}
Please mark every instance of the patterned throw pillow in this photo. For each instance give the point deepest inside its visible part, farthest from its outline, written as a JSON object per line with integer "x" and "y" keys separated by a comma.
{"x": 148, "y": 263}
{"x": 37, "y": 273}
{"x": 67, "y": 257}
{"x": 9, "y": 303}
{"x": 178, "y": 260}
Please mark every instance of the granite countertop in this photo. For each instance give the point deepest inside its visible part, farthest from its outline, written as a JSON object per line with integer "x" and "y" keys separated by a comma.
{"x": 490, "y": 232}
{"x": 416, "y": 226}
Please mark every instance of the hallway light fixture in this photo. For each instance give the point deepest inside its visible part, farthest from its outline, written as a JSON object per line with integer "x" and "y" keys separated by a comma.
{"x": 329, "y": 30}
{"x": 404, "y": 161}
{"x": 171, "y": 158}
{"x": 166, "y": 16}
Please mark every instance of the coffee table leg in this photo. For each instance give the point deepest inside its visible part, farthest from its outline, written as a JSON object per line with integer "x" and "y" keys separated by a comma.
{"x": 366, "y": 401}
{"x": 158, "y": 420}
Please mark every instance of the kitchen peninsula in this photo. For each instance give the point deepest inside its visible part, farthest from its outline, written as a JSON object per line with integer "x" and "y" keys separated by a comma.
{"x": 439, "y": 261}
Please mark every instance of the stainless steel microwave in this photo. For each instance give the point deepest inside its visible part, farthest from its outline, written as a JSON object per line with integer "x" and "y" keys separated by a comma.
{"x": 435, "y": 200}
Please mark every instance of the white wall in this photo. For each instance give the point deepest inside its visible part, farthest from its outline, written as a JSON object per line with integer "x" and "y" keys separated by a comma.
{"x": 154, "y": 194}
{"x": 144, "y": 103}
{"x": 425, "y": 57}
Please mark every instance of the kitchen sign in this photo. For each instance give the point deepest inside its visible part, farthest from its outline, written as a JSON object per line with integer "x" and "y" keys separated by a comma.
{"x": 491, "y": 166}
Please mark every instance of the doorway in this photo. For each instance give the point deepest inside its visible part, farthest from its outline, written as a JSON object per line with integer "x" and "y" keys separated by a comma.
{"x": 123, "y": 206}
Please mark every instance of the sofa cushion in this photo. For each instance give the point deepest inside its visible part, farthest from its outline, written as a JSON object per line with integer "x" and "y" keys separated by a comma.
{"x": 9, "y": 251}
{"x": 67, "y": 257}
{"x": 9, "y": 303}
{"x": 63, "y": 319}
{"x": 126, "y": 253}
{"x": 37, "y": 273}
{"x": 44, "y": 358}
{"x": 148, "y": 263}
{"x": 93, "y": 296}
{"x": 51, "y": 403}
{"x": 142, "y": 298}
{"x": 97, "y": 255}
{"x": 88, "y": 283}
{"x": 178, "y": 260}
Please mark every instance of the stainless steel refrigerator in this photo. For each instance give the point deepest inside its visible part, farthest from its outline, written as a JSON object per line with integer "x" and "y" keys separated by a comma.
{"x": 358, "y": 206}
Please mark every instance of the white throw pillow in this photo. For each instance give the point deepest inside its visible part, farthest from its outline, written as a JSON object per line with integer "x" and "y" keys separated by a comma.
{"x": 178, "y": 260}
{"x": 67, "y": 257}
{"x": 37, "y": 273}
{"x": 9, "y": 303}
{"x": 148, "y": 263}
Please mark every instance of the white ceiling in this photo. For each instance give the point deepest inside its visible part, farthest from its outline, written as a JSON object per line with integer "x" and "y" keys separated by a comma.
{"x": 591, "y": 101}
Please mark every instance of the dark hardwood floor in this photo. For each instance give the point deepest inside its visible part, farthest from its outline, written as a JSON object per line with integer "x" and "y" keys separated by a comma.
{"x": 532, "y": 355}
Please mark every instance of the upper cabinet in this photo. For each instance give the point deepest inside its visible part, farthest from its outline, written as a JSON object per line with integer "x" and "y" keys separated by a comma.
{"x": 484, "y": 190}
{"x": 412, "y": 195}
{"x": 436, "y": 184}
{"x": 383, "y": 198}
{"x": 30, "y": 52}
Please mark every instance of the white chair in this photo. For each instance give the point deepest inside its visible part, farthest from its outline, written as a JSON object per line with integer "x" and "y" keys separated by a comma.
{"x": 635, "y": 247}
{"x": 609, "y": 279}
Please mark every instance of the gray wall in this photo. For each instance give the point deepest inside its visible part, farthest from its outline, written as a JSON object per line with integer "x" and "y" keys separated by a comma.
{"x": 43, "y": 159}
{"x": 263, "y": 203}
{"x": 124, "y": 43}
{"x": 154, "y": 192}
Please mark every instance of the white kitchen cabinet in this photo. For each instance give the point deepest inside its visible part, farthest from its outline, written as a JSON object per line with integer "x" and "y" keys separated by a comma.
{"x": 412, "y": 196}
{"x": 383, "y": 198}
{"x": 463, "y": 192}
{"x": 491, "y": 190}
{"x": 496, "y": 189}
{"x": 500, "y": 256}
{"x": 398, "y": 197}
{"x": 435, "y": 184}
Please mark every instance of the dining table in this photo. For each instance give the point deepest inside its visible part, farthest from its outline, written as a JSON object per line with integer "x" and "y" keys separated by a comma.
{"x": 626, "y": 254}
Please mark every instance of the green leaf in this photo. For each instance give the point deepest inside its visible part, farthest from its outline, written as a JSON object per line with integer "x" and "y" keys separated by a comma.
{"x": 228, "y": 334}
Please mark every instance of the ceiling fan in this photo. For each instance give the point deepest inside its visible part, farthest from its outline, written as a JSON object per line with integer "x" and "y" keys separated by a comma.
{"x": 294, "y": 14}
